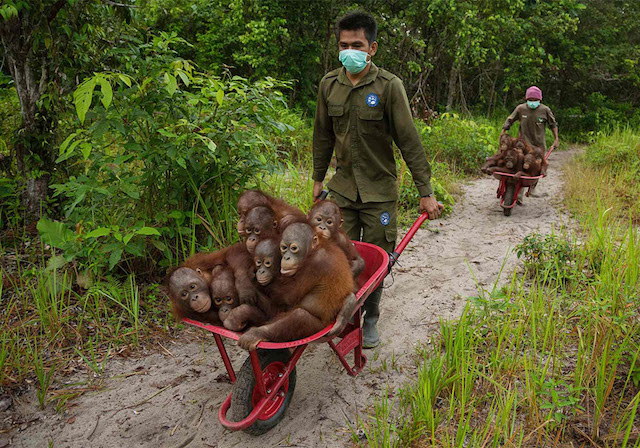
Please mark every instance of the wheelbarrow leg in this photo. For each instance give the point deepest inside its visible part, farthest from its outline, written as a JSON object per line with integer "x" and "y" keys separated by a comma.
{"x": 502, "y": 186}
{"x": 359, "y": 362}
{"x": 225, "y": 357}
{"x": 257, "y": 372}
{"x": 351, "y": 341}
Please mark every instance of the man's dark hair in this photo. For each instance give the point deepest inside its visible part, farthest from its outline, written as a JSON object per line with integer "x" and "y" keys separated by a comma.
{"x": 359, "y": 20}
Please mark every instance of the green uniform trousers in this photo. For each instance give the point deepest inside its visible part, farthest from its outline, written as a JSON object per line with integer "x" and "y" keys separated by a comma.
{"x": 371, "y": 222}
{"x": 375, "y": 223}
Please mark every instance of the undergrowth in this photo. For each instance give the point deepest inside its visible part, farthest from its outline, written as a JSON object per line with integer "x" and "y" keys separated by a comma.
{"x": 610, "y": 170}
{"x": 549, "y": 359}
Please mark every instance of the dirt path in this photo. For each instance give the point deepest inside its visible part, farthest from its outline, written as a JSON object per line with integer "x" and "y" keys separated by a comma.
{"x": 172, "y": 399}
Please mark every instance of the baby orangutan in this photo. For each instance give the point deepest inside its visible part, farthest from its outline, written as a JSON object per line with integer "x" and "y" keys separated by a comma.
{"x": 190, "y": 297}
{"x": 232, "y": 314}
{"x": 267, "y": 260}
{"x": 326, "y": 219}
{"x": 532, "y": 166}
{"x": 260, "y": 223}
{"x": 285, "y": 213}
{"x": 497, "y": 160}
{"x": 511, "y": 162}
{"x": 315, "y": 281}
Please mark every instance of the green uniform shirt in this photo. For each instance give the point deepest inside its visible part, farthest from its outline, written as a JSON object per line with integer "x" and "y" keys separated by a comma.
{"x": 532, "y": 123}
{"x": 360, "y": 123}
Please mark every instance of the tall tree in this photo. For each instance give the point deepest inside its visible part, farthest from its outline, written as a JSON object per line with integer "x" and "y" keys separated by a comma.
{"x": 46, "y": 44}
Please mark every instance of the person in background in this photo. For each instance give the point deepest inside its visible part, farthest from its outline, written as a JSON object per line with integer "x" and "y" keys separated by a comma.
{"x": 534, "y": 118}
{"x": 361, "y": 111}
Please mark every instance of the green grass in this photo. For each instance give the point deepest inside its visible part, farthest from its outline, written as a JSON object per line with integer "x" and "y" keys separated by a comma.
{"x": 609, "y": 169}
{"x": 549, "y": 359}
{"x": 48, "y": 320}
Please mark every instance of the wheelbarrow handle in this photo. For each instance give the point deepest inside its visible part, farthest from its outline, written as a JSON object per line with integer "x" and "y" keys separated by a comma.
{"x": 322, "y": 196}
{"x": 393, "y": 256}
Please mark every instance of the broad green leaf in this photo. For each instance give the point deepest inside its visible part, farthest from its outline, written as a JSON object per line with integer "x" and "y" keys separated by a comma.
{"x": 65, "y": 143}
{"x": 127, "y": 238}
{"x": 107, "y": 92}
{"x": 148, "y": 231}
{"x": 125, "y": 79}
{"x": 114, "y": 258}
{"x": 85, "y": 148}
{"x": 220, "y": 96}
{"x": 82, "y": 97}
{"x": 54, "y": 233}
{"x": 159, "y": 245}
{"x": 69, "y": 151}
{"x": 172, "y": 83}
{"x": 100, "y": 231}
{"x": 184, "y": 77}
{"x": 136, "y": 248}
{"x": 55, "y": 262}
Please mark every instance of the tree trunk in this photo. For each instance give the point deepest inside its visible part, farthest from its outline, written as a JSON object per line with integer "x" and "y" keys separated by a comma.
{"x": 30, "y": 77}
{"x": 492, "y": 97}
{"x": 453, "y": 81}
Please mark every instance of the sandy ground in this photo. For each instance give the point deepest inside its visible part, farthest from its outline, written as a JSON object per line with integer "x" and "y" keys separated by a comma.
{"x": 171, "y": 399}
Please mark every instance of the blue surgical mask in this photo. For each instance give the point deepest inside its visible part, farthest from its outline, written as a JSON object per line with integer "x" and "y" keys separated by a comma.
{"x": 354, "y": 60}
{"x": 533, "y": 104}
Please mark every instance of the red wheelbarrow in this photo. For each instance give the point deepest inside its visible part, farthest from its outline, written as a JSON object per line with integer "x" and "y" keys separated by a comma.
{"x": 264, "y": 386}
{"x": 510, "y": 187}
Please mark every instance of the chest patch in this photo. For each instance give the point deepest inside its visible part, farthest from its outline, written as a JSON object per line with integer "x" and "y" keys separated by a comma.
{"x": 385, "y": 218}
{"x": 524, "y": 116}
{"x": 540, "y": 119}
{"x": 372, "y": 100}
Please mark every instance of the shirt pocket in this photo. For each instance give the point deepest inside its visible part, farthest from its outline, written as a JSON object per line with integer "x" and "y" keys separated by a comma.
{"x": 371, "y": 121}
{"x": 336, "y": 112}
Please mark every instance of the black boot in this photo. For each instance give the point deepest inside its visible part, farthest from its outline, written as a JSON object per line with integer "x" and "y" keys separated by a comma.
{"x": 370, "y": 337}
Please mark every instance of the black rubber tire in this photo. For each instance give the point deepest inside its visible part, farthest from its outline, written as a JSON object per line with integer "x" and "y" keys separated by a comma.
{"x": 242, "y": 395}
{"x": 508, "y": 198}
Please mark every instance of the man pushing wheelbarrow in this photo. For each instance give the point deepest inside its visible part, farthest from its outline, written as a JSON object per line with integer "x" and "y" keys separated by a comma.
{"x": 534, "y": 118}
{"x": 361, "y": 111}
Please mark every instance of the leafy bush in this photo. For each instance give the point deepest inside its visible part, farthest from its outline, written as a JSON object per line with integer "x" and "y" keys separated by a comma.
{"x": 462, "y": 143}
{"x": 597, "y": 114}
{"x": 617, "y": 150}
{"x": 160, "y": 158}
{"x": 408, "y": 198}
{"x": 10, "y": 207}
{"x": 9, "y": 118}
{"x": 608, "y": 173}
{"x": 547, "y": 257}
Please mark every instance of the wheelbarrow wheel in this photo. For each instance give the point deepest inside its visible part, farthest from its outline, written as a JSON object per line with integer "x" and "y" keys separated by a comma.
{"x": 245, "y": 395}
{"x": 508, "y": 198}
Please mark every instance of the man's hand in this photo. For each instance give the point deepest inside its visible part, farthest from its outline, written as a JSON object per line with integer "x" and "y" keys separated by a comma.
{"x": 317, "y": 189}
{"x": 431, "y": 206}
{"x": 555, "y": 144}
